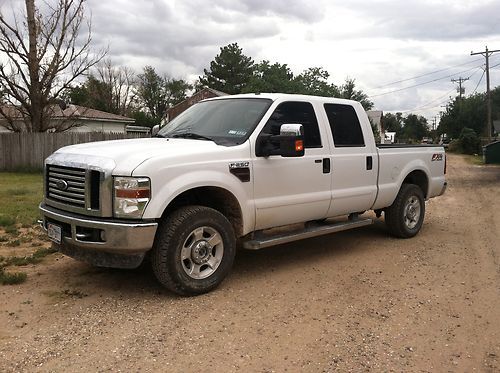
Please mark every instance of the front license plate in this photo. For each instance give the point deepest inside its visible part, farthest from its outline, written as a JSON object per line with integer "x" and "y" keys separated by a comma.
{"x": 54, "y": 232}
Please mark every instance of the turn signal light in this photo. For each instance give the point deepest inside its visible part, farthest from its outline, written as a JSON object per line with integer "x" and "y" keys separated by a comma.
{"x": 299, "y": 145}
{"x": 132, "y": 193}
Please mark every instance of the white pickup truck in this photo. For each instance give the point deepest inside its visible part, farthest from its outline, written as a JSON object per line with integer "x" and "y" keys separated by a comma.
{"x": 226, "y": 171}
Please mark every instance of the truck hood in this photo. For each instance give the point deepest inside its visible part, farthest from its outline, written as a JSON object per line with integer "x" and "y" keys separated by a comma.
{"x": 123, "y": 156}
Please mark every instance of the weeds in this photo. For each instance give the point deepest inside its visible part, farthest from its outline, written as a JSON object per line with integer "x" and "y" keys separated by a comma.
{"x": 7, "y": 278}
{"x": 19, "y": 277}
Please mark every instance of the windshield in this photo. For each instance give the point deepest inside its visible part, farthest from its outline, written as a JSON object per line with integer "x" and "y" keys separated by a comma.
{"x": 226, "y": 122}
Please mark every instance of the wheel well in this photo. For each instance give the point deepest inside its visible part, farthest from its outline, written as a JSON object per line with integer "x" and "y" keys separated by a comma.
{"x": 214, "y": 197}
{"x": 419, "y": 178}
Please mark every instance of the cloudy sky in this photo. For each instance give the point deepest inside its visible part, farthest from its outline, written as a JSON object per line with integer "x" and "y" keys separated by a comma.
{"x": 377, "y": 42}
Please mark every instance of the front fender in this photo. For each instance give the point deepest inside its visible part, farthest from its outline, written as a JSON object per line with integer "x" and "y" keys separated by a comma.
{"x": 165, "y": 191}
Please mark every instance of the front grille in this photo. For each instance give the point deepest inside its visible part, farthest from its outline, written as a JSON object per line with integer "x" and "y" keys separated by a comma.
{"x": 66, "y": 185}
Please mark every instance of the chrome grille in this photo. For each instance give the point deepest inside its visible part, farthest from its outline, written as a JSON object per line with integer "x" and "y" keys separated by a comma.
{"x": 66, "y": 185}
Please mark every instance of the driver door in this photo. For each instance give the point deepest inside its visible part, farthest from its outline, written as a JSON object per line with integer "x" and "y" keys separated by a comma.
{"x": 293, "y": 190}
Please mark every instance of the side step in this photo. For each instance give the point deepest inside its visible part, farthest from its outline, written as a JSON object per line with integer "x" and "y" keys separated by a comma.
{"x": 261, "y": 240}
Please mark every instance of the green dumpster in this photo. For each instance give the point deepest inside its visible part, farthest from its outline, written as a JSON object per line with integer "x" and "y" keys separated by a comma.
{"x": 491, "y": 152}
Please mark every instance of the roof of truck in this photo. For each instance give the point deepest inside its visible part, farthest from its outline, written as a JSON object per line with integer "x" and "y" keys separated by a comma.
{"x": 287, "y": 96}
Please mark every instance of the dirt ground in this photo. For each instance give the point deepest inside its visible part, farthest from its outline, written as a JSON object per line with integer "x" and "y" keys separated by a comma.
{"x": 354, "y": 301}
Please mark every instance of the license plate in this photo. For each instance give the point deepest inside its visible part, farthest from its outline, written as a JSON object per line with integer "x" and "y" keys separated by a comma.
{"x": 54, "y": 232}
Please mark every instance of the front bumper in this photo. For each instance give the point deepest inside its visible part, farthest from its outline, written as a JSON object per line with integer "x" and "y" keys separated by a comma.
{"x": 100, "y": 235}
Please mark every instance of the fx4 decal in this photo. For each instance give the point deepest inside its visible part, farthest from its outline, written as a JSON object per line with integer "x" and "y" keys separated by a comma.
{"x": 437, "y": 157}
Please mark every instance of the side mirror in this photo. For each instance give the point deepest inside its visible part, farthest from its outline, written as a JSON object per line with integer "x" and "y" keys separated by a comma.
{"x": 291, "y": 140}
{"x": 155, "y": 130}
{"x": 289, "y": 143}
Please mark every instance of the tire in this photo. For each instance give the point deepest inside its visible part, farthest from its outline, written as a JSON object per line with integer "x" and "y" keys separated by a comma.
{"x": 194, "y": 250}
{"x": 405, "y": 216}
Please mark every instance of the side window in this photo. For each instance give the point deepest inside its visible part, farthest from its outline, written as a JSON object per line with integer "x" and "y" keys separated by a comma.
{"x": 296, "y": 112}
{"x": 345, "y": 125}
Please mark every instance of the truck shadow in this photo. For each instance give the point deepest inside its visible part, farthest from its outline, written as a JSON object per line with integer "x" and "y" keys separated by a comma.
{"x": 141, "y": 282}
{"x": 310, "y": 250}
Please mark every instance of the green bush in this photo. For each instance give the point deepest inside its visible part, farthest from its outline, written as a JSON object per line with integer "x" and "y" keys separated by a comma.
{"x": 469, "y": 141}
{"x": 454, "y": 146}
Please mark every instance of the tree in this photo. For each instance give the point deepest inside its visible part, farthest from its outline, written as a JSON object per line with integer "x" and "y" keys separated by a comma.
{"x": 120, "y": 82}
{"x": 348, "y": 90}
{"x": 467, "y": 112}
{"x": 42, "y": 55}
{"x": 314, "y": 81}
{"x": 415, "y": 127}
{"x": 272, "y": 79}
{"x": 156, "y": 93}
{"x": 230, "y": 71}
{"x": 92, "y": 93}
{"x": 393, "y": 123}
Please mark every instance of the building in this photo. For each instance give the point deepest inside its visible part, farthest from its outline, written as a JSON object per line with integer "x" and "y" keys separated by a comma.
{"x": 74, "y": 117}
{"x": 190, "y": 101}
{"x": 375, "y": 117}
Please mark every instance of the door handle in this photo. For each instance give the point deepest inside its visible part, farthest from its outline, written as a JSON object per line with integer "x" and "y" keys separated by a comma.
{"x": 369, "y": 162}
{"x": 326, "y": 165}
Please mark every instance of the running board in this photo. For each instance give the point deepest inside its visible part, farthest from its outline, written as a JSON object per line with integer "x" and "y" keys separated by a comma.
{"x": 261, "y": 240}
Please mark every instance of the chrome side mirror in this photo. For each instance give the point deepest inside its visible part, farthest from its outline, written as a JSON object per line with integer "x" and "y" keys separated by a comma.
{"x": 291, "y": 140}
{"x": 155, "y": 130}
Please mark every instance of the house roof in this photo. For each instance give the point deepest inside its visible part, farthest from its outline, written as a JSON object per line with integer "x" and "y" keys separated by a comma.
{"x": 71, "y": 111}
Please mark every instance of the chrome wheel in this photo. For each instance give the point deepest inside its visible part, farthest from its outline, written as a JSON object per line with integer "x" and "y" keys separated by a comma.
{"x": 412, "y": 212}
{"x": 202, "y": 252}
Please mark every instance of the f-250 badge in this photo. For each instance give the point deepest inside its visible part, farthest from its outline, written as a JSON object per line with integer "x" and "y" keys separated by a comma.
{"x": 437, "y": 157}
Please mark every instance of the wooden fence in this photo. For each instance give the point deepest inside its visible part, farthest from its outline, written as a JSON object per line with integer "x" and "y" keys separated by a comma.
{"x": 27, "y": 151}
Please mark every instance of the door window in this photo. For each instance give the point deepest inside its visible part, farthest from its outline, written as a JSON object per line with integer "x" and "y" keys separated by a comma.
{"x": 295, "y": 112}
{"x": 344, "y": 122}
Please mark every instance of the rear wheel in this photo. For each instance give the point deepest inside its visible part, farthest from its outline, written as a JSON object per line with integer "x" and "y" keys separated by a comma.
{"x": 194, "y": 250}
{"x": 405, "y": 216}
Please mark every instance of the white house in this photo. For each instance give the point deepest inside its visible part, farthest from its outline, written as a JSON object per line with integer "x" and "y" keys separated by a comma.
{"x": 77, "y": 118}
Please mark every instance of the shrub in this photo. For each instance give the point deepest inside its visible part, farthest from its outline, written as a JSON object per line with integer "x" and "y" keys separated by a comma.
{"x": 469, "y": 141}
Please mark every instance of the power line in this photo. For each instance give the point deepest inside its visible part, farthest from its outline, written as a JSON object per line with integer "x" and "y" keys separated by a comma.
{"x": 423, "y": 83}
{"x": 426, "y": 74}
{"x": 426, "y": 105}
{"x": 486, "y": 54}
{"x": 479, "y": 82}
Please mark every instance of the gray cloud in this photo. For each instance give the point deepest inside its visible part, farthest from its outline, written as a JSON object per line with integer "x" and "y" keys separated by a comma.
{"x": 188, "y": 33}
{"x": 426, "y": 20}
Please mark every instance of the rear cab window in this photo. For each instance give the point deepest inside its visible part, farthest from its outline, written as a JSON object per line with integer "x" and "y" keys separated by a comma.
{"x": 345, "y": 126}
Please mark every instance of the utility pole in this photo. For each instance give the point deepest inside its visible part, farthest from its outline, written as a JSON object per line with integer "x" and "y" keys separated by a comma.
{"x": 460, "y": 90}
{"x": 487, "y": 53}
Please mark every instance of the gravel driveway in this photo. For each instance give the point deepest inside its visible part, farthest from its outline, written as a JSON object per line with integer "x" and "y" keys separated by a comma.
{"x": 353, "y": 301}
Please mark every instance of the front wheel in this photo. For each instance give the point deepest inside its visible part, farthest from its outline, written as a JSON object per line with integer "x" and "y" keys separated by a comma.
{"x": 194, "y": 250}
{"x": 405, "y": 216}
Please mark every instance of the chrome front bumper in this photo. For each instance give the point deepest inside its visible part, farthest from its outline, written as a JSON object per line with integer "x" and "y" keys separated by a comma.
{"x": 100, "y": 235}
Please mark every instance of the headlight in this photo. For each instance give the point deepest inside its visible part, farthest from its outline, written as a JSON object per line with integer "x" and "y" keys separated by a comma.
{"x": 131, "y": 196}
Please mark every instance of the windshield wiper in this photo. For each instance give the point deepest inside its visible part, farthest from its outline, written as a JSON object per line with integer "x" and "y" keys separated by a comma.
{"x": 191, "y": 135}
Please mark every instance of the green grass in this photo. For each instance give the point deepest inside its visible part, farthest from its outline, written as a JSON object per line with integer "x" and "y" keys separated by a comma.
{"x": 7, "y": 278}
{"x": 475, "y": 159}
{"x": 13, "y": 278}
{"x": 34, "y": 258}
{"x": 20, "y": 195}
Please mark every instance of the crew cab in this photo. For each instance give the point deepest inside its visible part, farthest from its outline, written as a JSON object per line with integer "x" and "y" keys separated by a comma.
{"x": 224, "y": 173}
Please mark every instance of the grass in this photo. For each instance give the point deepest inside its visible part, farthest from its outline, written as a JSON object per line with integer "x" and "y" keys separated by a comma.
{"x": 8, "y": 278}
{"x": 475, "y": 159}
{"x": 20, "y": 195}
{"x": 34, "y": 258}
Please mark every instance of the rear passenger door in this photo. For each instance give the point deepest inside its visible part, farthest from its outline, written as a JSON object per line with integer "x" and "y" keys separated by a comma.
{"x": 354, "y": 162}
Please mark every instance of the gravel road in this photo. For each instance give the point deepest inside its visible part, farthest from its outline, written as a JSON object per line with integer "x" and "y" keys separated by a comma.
{"x": 354, "y": 301}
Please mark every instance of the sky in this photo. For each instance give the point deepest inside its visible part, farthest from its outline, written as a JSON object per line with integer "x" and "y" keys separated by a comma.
{"x": 376, "y": 42}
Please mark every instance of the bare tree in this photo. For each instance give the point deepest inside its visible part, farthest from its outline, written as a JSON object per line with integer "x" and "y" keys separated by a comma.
{"x": 41, "y": 56}
{"x": 120, "y": 80}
